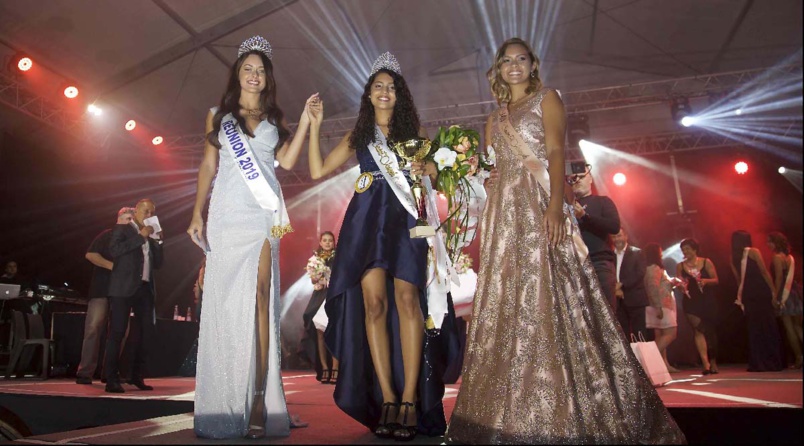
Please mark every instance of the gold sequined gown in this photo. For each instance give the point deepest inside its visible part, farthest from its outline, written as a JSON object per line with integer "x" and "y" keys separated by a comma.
{"x": 546, "y": 361}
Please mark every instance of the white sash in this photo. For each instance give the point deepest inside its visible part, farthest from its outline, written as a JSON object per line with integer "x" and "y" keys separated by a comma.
{"x": 743, "y": 265}
{"x": 788, "y": 281}
{"x": 234, "y": 141}
{"x": 439, "y": 268}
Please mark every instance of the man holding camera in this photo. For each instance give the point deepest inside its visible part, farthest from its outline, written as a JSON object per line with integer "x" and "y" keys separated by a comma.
{"x": 597, "y": 218}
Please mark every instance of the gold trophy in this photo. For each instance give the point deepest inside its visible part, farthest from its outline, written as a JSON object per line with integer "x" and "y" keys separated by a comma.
{"x": 411, "y": 150}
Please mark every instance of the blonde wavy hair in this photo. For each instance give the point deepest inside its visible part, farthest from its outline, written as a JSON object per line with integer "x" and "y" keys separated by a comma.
{"x": 500, "y": 88}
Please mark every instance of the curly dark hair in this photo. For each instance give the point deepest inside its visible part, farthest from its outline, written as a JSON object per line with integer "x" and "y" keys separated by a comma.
{"x": 404, "y": 123}
{"x": 780, "y": 243}
{"x": 230, "y": 102}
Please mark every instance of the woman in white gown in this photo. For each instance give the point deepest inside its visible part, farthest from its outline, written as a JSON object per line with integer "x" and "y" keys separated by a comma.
{"x": 238, "y": 382}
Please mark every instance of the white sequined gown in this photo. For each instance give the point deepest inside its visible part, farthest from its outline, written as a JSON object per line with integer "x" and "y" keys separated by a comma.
{"x": 236, "y": 229}
{"x": 546, "y": 361}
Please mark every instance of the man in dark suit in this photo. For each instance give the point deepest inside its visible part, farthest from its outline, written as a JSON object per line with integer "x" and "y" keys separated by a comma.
{"x": 135, "y": 255}
{"x": 632, "y": 298}
{"x": 597, "y": 219}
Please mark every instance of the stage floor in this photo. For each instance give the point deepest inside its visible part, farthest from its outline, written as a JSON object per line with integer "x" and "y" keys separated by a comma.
{"x": 732, "y": 388}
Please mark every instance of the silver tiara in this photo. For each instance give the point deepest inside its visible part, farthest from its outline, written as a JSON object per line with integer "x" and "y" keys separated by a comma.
{"x": 256, "y": 43}
{"x": 386, "y": 61}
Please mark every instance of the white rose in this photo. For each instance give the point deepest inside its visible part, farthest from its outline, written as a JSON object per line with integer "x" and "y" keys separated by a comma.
{"x": 445, "y": 157}
{"x": 491, "y": 155}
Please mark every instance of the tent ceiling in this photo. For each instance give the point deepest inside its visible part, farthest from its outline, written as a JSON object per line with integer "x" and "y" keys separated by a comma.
{"x": 165, "y": 62}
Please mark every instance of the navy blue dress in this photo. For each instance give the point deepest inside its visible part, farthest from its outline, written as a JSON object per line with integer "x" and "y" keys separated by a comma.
{"x": 375, "y": 234}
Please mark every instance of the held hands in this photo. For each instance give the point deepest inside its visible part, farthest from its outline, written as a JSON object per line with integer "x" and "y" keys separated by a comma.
{"x": 660, "y": 314}
{"x": 554, "y": 223}
{"x": 314, "y": 110}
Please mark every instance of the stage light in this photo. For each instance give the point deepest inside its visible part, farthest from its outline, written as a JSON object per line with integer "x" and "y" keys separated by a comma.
{"x": 741, "y": 167}
{"x": 577, "y": 129}
{"x": 70, "y": 91}
{"x": 157, "y": 140}
{"x": 131, "y": 124}
{"x": 687, "y": 121}
{"x": 680, "y": 108}
{"x": 619, "y": 178}
{"x": 738, "y": 112}
{"x": 782, "y": 170}
{"x": 94, "y": 109}
{"x": 19, "y": 62}
{"x": 25, "y": 64}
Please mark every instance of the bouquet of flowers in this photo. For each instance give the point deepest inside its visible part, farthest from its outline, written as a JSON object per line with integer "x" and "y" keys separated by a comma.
{"x": 461, "y": 172}
{"x": 463, "y": 263}
{"x": 318, "y": 271}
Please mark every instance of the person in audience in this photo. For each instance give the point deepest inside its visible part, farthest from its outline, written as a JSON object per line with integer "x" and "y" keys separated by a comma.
{"x": 661, "y": 314}
{"x": 787, "y": 292}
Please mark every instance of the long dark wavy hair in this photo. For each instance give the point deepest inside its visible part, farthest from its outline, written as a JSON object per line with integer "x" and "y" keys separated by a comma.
{"x": 404, "y": 123}
{"x": 780, "y": 243}
{"x": 230, "y": 102}
{"x": 739, "y": 241}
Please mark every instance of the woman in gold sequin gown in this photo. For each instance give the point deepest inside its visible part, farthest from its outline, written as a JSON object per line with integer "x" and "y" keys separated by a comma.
{"x": 546, "y": 361}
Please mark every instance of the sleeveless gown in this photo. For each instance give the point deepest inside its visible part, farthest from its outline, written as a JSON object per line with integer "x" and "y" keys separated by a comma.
{"x": 764, "y": 342}
{"x": 236, "y": 229}
{"x": 309, "y": 342}
{"x": 546, "y": 361}
{"x": 375, "y": 234}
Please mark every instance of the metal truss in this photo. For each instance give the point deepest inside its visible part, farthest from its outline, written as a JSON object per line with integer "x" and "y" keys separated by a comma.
{"x": 474, "y": 115}
{"x": 21, "y": 98}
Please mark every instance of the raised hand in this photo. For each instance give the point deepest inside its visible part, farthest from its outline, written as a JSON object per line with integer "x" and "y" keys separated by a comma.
{"x": 315, "y": 109}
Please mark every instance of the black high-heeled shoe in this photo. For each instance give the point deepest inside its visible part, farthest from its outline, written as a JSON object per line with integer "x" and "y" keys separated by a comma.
{"x": 333, "y": 377}
{"x": 386, "y": 429}
{"x": 405, "y": 432}
{"x": 325, "y": 377}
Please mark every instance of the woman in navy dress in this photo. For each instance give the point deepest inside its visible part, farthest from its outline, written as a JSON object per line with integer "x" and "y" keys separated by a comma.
{"x": 788, "y": 293}
{"x": 756, "y": 299}
{"x": 391, "y": 373}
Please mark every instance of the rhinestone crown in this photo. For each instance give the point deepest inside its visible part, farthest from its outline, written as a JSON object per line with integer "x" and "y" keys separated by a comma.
{"x": 256, "y": 43}
{"x": 386, "y": 61}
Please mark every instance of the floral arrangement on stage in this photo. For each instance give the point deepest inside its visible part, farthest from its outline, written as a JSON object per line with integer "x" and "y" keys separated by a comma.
{"x": 463, "y": 263}
{"x": 318, "y": 271}
{"x": 461, "y": 172}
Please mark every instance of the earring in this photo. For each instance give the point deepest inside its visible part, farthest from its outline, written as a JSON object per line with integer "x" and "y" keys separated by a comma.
{"x": 532, "y": 74}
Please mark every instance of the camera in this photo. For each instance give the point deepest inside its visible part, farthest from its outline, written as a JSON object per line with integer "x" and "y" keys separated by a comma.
{"x": 575, "y": 168}
{"x": 574, "y": 171}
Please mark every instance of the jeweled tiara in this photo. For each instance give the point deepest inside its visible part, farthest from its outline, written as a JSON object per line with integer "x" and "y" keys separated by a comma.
{"x": 256, "y": 43}
{"x": 386, "y": 61}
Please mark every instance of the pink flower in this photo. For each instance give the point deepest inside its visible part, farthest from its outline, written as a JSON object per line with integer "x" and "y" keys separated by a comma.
{"x": 473, "y": 161}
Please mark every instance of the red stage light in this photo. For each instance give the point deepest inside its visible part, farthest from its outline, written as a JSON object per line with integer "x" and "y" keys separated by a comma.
{"x": 741, "y": 167}
{"x": 25, "y": 64}
{"x": 157, "y": 140}
{"x": 619, "y": 178}
{"x": 131, "y": 124}
{"x": 71, "y": 91}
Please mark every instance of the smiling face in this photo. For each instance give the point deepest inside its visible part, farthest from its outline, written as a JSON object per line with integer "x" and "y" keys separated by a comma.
{"x": 516, "y": 65}
{"x": 383, "y": 92}
{"x": 689, "y": 252}
{"x": 252, "y": 74}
